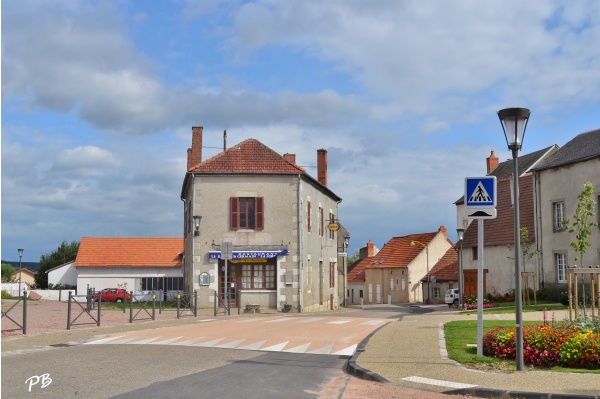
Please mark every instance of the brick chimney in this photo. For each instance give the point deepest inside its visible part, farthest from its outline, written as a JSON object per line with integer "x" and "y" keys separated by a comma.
{"x": 291, "y": 158}
{"x": 492, "y": 162}
{"x": 322, "y": 166}
{"x": 444, "y": 230}
{"x": 370, "y": 249}
{"x": 195, "y": 153}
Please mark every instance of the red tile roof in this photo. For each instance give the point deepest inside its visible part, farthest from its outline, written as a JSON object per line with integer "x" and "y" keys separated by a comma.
{"x": 500, "y": 231}
{"x": 446, "y": 269}
{"x": 249, "y": 156}
{"x": 398, "y": 252}
{"x": 129, "y": 252}
{"x": 357, "y": 273}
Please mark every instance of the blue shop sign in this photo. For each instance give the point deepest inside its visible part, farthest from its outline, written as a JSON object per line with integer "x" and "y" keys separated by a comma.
{"x": 249, "y": 254}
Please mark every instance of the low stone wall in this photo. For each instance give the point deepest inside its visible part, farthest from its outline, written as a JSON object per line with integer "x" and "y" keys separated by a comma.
{"x": 54, "y": 295}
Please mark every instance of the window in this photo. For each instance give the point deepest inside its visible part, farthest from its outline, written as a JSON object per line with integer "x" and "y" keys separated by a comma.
{"x": 331, "y": 274}
{"x": 246, "y": 213}
{"x": 437, "y": 293}
{"x": 474, "y": 253}
{"x": 321, "y": 223}
{"x": 258, "y": 277}
{"x": 308, "y": 215}
{"x": 162, "y": 283}
{"x": 560, "y": 261}
{"x": 558, "y": 210}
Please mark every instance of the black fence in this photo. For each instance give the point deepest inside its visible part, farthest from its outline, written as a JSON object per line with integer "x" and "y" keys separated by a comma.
{"x": 15, "y": 311}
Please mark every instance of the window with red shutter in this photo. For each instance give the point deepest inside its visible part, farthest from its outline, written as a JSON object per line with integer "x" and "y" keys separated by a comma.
{"x": 260, "y": 224}
{"x": 246, "y": 213}
{"x": 234, "y": 214}
{"x": 321, "y": 221}
{"x": 308, "y": 218}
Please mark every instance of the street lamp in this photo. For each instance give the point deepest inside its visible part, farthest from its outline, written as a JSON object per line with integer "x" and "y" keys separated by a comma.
{"x": 346, "y": 243}
{"x": 412, "y": 244}
{"x": 460, "y": 233}
{"x": 514, "y": 122}
{"x": 20, "y": 256}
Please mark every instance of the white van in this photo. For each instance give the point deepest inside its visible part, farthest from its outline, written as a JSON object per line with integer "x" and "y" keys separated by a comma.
{"x": 451, "y": 297}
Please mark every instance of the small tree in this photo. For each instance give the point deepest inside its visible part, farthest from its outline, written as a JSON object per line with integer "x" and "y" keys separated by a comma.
{"x": 581, "y": 226}
{"x": 64, "y": 253}
{"x": 8, "y": 273}
{"x": 527, "y": 250}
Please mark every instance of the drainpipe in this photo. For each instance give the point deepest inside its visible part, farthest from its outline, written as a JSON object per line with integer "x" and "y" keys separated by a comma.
{"x": 300, "y": 260}
{"x": 184, "y": 254}
{"x": 538, "y": 239}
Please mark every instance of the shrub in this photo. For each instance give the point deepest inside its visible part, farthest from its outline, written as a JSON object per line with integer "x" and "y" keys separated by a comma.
{"x": 547, "y": 346}
{"x": 5, "y": 294}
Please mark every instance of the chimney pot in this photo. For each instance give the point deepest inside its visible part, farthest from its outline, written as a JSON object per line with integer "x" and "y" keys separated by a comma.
{"x": 492, "y": 162}
{"x": 322, "y": 166}
{"x": 444, "y": 230}
{"x": 291, "y": 158}
{"x": 195, "y": 155}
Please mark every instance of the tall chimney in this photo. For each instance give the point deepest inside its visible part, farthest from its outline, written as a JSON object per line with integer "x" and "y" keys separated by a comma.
{"x": 195, "y": 156}
{"x": 322, "y": 166}
{"x": 189, "y": 159}
{"x": 291, "y": 158}
{"x": 444, "y": 230}
{"x": 370, "y": 249}
{"x": 492, "y": 162}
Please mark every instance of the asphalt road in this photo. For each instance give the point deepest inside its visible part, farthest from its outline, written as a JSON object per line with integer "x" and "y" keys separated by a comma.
{"x": 157, "y": 371}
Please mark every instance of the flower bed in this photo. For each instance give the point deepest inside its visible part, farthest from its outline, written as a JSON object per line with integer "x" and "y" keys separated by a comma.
{"x": 547, "y": 346}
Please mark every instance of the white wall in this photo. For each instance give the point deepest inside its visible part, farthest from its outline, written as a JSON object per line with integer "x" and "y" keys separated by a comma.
{"x": 66, "y": 274}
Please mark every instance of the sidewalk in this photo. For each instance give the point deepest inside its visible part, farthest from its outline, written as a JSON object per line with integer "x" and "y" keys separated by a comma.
{"x": 412, "y": 353}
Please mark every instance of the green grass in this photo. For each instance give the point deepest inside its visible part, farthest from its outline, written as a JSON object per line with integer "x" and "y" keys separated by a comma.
{"x": 461, "y": 334}
{"x": 509, "y": 307}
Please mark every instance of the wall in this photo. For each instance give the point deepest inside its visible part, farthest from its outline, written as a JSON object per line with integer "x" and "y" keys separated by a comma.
{"x": 564, "y": 184}
{"x": 280, "y": 193}
{"x": 63, "y": 275}
{"x": 120, "y": 277}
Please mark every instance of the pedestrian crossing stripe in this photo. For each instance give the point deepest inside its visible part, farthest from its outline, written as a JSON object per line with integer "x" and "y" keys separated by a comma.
{"x": 480, "y": 195}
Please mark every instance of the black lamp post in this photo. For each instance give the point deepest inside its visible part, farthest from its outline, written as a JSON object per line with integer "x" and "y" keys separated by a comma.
{"x": 460, "y": 233}
{"x": 20, "y": 256}
{"x": 346, "y": 243}
{"x": 514, "y": 122}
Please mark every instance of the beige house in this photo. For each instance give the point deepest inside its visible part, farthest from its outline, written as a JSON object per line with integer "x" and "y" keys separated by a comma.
{"x": 394, "y": 274}
{"x": 558, "y": 182}
{"x": 256, "y": 226}
{"x": 356, "y": 274}
{"x": 498, "y": 265}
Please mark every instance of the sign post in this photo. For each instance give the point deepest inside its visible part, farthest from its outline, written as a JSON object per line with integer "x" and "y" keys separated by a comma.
{"x": 480, "y": 204}
{"x": 226, "y": 250}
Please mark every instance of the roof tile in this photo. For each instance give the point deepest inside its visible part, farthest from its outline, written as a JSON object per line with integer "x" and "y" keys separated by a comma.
{"x": 129, "y": 252}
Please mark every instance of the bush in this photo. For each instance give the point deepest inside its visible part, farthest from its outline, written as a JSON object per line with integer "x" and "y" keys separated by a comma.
{"x": 547, "y": 346}
{"x": 5, "y": 294}
{"x": 557, "y": 295}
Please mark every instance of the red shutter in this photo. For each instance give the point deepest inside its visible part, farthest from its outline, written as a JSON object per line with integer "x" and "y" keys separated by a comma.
{"x": 308, "y": 208}
{"x": 234, "y": 213}
{"x": 321, "y": 221}
{"x": 260, "y": 222}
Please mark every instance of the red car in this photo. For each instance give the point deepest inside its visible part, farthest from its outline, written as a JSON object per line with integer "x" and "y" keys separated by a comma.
{"x": 112, "y": 295}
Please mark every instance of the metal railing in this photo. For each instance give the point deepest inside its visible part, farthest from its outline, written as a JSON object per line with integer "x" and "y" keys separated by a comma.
{"x": 183, "y": 302}
{"x": 87, "y": 309}
{"x": 139, "y": 299}
{"x": 23, "y": 326}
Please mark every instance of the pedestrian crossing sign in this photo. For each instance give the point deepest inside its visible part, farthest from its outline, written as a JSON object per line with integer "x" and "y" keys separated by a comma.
{"x": 480, "y": 197}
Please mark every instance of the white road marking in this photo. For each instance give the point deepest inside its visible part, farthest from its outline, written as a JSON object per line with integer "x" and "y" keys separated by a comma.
{"x": 166, "y": 341}
{"x": 103, "y": 341}
{"x": 187, "y": 343}
{"x": 276, "y": 348}
{"x": 254, "y": 346}
{"x": 210, "y": 343}
{"x": 230, "y": 345}
{"x": 349, "y": 351}
{"x": 326, "y": 350}
{"x": 145, "y": 341}
{"x": 371, "y": 323}
{"x": 338, "y": 322}
{"x": 311, "y": 320}
{"x": 440, "y": 383}
{"x": 298, "y": 349}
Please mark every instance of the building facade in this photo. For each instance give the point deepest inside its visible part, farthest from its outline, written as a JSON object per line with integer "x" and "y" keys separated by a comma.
{"x": 256, "y": 229}
{"x": 558, "y": 182}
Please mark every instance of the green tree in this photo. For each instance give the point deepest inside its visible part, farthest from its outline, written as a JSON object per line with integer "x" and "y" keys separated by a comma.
{"x": 64, "y": 253}
{"x": 8, "y": 273}
{"x": 582, "y": 227}
{"x": 580, "y": 224}
{"x": 355, "y": 257}
{"x": 527, "y": 251}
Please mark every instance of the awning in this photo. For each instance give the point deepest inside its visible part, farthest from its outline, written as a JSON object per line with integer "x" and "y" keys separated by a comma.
{"x": 249, "y": 254}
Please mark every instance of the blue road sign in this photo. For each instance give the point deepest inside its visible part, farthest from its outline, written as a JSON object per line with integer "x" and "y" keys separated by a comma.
{"x": 480, "y": 197}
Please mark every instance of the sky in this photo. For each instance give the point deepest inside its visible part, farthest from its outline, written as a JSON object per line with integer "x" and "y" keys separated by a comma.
{"x": 99, "y": 99}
